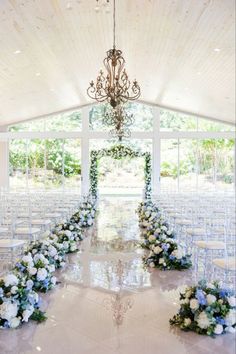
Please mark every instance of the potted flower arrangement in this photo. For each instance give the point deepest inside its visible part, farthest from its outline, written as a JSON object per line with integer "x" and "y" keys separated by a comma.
{"x": 18, "y": 301}
{"x": 206, "y": 308}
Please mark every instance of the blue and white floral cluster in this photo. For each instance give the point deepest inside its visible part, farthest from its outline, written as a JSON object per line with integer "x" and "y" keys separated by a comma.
{"x": 34, "y": 272}
{"x": 159, "y": 239}
{"x": 206, "y": 308}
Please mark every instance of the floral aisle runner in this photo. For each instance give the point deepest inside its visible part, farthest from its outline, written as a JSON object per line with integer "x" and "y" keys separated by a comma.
{"x": 34, "y": 272}
{"x": 205, "y": 308}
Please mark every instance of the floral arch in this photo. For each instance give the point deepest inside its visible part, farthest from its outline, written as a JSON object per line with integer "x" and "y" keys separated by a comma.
{"x": 118, "y": 152}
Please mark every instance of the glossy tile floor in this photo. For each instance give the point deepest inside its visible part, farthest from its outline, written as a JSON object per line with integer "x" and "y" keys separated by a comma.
{"x": 107, "y": 303}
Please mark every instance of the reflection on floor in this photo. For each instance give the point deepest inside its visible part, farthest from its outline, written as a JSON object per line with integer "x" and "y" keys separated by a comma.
{"x": 108, "y": 303}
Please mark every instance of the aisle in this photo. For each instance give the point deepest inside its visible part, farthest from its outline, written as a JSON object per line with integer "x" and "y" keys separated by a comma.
{"x": 107, "y": 303}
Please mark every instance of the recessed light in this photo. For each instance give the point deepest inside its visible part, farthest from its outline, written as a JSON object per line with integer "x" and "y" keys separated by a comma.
{"x": 217, "y": 49}
{"x": 38, "y": 349}
{"x": 37, "y": 74}
{"x": 17, "y": 51}
{"x": 199, "y": 73}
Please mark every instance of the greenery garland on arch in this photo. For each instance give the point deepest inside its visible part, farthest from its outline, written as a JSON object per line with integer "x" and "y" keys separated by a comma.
{"x": 118, "y": 152}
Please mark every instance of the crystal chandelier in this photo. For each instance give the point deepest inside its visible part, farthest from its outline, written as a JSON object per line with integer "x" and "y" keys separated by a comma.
{"x": 120, "y": 120}
{"x": 114, "y": 86}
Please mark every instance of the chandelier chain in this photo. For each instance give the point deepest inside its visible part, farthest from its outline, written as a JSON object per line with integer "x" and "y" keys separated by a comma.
{"x": 114, "y": 24}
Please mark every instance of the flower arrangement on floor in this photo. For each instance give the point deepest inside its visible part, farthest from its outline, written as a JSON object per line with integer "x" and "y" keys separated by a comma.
{"x": 86, "y": 213}
{"x": 19, "y": 300}
{"x": 206, "y": 308}
{"x": 118, "y": 152}
{"x": 165, "y": 252}
{"x": 37, "y": 269}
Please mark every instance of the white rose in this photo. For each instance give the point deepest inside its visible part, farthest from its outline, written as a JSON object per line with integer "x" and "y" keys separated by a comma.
{"x": 218, "y": 329}
{"x": 71, "y": 227}
{"x": 29, "y": 283}
{"x": 8, "y": 310}
{"x": 157, "y": 249}
{"x": 65, "y": 245}
{"x": 161, "y": 260}
{"x": 231, "y": 301}
{"x": 210, "y": 299}
{"x": 152, "y": 265}
{"x": 147, "y": 213}
{"x": 158, "y": 231}
{"x": 14, "y": 290}
{"x": 10, "y": 280}
{"x": 169, "y": 232}
{"x": 164, "y": 228}
{"x": 42, "y": 274}
{"x": 32, "y": 271}
{"x": 202, "y": 320}
{"x": 151, "y": 238}
{"x": 187, "y": 322}
{"x": 14, "y": 322}
{"x": 73, "y": 247}
{"x": 194, "y": 305}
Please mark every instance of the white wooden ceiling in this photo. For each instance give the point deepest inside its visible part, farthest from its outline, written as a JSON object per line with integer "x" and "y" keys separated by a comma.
{"x": 180, "y": 51}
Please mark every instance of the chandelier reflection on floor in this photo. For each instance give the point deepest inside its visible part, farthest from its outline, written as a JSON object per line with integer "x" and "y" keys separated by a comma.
{"x": 119, "y": 120}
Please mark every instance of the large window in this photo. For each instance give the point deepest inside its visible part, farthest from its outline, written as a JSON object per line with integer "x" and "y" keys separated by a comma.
{"x": 189, "y": 160}
{"x": 45, "y": 164}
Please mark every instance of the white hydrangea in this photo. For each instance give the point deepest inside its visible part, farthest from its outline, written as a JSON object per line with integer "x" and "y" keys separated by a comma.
{"x": 8, "y": 310}
{"x": 32, "y": 271}
{"x": 203, "y": 320}
{"x": 10, "y": 280}
{"x": 14, "y": 322}
{"x": 41, "y": 274}
{"x": 231, "y": 301}
{"x": 68, "y": 233}
{"x": 28, "y": 259}
{"x": 230, "y": 318}
{"x": 218, "y": 329}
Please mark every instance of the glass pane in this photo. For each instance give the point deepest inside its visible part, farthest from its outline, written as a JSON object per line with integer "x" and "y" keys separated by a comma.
{"x": 207, "y": 125}
{"x": 54, "y": 163}
{"x": 143, "y": 117}
{"x": 225, "y": 164}
{"x": 187, "y": 165}
{"x": 125, "y": 176}
{"x": 36, "y": 176}
{"x": 169, "y": 165}
{"x": 70, "y": 121}
{"x": 72, "y": 165}
{"x": 175, "y": 121}
{"x": 206, "y": 164}
{"x": 18, "y": 163}
{"x": 33, "y": 125}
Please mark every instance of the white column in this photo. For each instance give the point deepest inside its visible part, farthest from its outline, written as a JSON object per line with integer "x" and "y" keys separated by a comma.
{"x": 85, "y": 159}
{"x": 156, "y": 152}
{"x": 4, "y": 161}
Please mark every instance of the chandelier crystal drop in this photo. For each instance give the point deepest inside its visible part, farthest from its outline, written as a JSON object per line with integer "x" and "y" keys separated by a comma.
{"x": 114, "y": 85}
{"x": 119, "y": 120}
